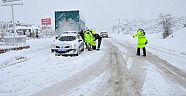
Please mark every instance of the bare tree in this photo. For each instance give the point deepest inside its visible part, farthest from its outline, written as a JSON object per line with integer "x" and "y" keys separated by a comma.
{"x": 114, "y": 28}
{"x": 167, "y": 22}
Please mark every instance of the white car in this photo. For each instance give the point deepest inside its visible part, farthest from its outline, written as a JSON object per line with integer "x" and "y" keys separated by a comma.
{"x": 68, "y": 44}
{"x": 104, "y": 34}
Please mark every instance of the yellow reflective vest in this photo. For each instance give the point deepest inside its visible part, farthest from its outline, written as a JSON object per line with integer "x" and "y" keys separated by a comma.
{"x": 93, "y": 39}
{"x": 142, "y": 40}
{"x": 88, "y": 37}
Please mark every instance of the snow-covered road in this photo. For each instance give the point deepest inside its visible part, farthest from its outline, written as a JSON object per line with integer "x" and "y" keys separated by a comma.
{"x": 39, "y": 68}
{"x": 153, "y": 75}
{"x": 115, "y": 70}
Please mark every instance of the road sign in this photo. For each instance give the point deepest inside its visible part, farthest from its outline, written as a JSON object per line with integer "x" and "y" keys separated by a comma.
{"x": 46, "y": 21}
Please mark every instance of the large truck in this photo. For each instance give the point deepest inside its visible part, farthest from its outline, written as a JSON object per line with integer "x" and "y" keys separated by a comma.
{"x": 68, "y": 21}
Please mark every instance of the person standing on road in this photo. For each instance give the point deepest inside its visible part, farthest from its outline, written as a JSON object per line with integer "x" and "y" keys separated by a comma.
{"x": 99, "y": 38}
{"x": 82, "y": 35}
{"x": 93, "y": 39}
{"x": 142, "y": 41}
{"x": 88, "y": 39}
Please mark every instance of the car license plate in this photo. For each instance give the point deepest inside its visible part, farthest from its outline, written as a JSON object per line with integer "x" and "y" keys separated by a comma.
{"x": 62, "y": 50}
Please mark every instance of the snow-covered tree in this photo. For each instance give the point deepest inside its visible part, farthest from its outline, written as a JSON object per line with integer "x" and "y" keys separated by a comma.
{"x": 185, "y": 25}
{"x": 184, "y": 21}
{"x": 2, "y": 29}
{"x": 167, "y": 22}
{"x": 114, "y": 28}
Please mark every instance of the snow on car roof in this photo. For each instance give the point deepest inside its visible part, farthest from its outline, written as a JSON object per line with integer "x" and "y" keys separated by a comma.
{"x": 68, "y": 34}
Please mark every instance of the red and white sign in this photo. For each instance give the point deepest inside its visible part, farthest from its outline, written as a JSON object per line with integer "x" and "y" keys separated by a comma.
{"x": 46, "y": 21}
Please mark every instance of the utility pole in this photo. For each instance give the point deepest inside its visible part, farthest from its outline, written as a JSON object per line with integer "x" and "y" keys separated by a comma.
{"x": 13, "y": 22}
{"x": 12, "y": 3}
{"x": 119, "y": 26}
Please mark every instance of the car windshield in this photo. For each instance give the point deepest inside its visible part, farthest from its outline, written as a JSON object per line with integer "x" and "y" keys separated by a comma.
{"x": 67, "y": 38}
{"x": 103, "y": 32}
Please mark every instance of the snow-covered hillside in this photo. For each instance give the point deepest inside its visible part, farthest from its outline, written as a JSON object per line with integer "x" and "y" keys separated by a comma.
{"x": 150, "y": 26}
{"x": 175, "y": 42}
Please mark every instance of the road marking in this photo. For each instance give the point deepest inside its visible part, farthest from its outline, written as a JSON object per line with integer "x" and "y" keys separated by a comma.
{"x": 129, "y": 63}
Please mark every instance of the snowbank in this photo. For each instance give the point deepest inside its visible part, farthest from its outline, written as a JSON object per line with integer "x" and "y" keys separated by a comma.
{"x": 36, "y": 68}
{"x": 175, "y": 42}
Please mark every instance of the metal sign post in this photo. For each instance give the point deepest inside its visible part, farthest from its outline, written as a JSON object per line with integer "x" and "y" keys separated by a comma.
{"x": 12, "y": 3}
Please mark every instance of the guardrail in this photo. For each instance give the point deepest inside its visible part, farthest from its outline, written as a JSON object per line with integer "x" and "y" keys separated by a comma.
{"x": 3, "y": 50}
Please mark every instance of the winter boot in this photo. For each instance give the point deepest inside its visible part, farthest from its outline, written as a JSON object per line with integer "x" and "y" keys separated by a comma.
{"x": 97, "y": 49}
{"x": 93, "y": 47}
{"x": 138, "y": 52}
{"x": 144, "y": 52}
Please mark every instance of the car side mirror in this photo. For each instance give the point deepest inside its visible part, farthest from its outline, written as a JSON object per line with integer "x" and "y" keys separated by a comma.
{"x": 80, "y": 40}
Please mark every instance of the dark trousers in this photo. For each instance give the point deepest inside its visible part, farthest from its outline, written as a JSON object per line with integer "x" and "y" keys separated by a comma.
{"x": 93, "y": 47}
{"x": 99, "y": 43}
{"x": 88, "y": 46}
{"x": 144, "y": 51}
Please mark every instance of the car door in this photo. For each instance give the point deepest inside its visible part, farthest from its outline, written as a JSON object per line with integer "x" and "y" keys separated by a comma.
{"x": 81, "y": 43}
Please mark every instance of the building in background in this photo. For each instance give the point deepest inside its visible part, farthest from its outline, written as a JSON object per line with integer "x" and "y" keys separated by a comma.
{"x": 30, "y": 30}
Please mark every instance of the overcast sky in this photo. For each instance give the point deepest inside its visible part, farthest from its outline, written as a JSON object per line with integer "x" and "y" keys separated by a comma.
{"x": 99, "y": 14}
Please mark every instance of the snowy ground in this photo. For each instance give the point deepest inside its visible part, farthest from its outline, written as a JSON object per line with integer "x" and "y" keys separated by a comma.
{"x": 157, "y": 85}
{"x": 38, "y": 68}
{"x": 115, "y": 70}
{"x": 171, "y": 51}
{"x": 90, "y": 88}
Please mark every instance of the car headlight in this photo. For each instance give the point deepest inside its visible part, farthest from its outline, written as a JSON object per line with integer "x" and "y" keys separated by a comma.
{"x": 53, "y": 46}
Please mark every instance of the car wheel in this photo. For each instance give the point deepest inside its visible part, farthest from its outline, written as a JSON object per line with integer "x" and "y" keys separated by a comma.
{"x": 82, "y": 49}
{"x": 77, "y": 53}
{"x": 52, "y": 50}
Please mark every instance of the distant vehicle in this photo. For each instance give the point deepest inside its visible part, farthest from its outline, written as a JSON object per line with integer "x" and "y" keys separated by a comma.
{"x": 104, "y": 34}
{"x": 68, "y": 44}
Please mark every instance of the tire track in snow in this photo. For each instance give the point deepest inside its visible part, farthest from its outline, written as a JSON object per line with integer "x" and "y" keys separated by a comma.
{"x": 82, "y": 77}
{"x": 122, "y": 82}
{"x": 173, "y": 73}
{"x": 169, "y": 71}
{"x": 137, "y": 69}
{"x": 31, "y": 52}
